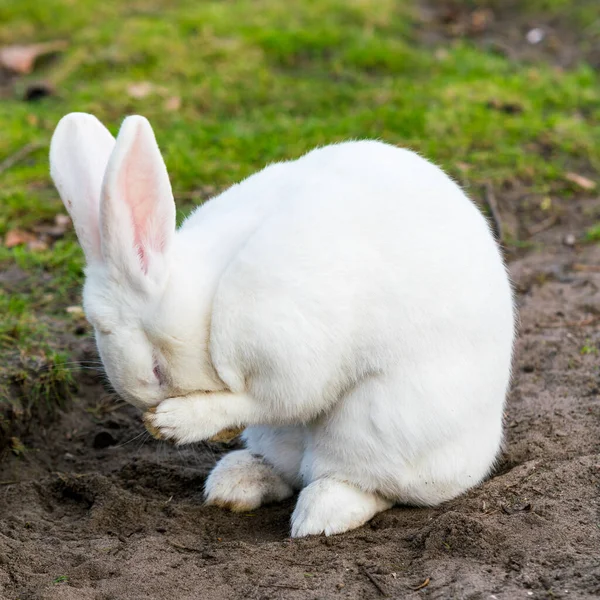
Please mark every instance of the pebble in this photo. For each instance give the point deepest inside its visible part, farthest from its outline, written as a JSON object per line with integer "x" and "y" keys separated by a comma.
{"x": 535, "y": 36}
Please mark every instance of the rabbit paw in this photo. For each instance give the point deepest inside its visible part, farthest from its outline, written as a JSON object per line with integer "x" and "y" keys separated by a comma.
{"x": 181, "y": 420}
{"x": 242, "y": 481}
{"x": 329, "y": 506}
{"x": 201, "y": 416}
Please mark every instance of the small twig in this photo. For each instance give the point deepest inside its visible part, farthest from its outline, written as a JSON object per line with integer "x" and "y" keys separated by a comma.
{"x": 423, "y": 585}
{"x": 507, "y": 49}
{"x": 19, "y": 155}
{"x": 582, "y": 323}
{"x": 490, "y": 200}
{"x": 8, "y": 482}
{"x": 376, "y": 583}
{"x": 281, "y": 585}
{"x": 581, "y": 267}
{"x": 301, "y": 564}
{"x": 543, "y": 226}
{"x": 182, "y": 547}
{"x": 134, "y": 532}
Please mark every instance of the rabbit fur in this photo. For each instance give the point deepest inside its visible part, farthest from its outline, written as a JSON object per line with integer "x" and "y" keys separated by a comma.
{"x": 350, "y": 308}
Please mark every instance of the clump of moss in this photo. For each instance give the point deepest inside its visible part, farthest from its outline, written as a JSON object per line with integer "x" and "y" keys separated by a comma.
{"x": 33, "y": 389}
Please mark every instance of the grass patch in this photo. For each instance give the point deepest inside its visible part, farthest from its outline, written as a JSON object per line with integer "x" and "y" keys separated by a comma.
{"x": 588, "y": 348}
{"x": 593, "y": 234}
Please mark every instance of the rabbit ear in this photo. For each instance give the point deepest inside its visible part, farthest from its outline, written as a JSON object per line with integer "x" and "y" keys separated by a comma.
{"x": 137, "y": 209}
{"x": 79, "y": 153}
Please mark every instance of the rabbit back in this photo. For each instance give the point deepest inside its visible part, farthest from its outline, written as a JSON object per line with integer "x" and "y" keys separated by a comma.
{"x": 371, "y": 302}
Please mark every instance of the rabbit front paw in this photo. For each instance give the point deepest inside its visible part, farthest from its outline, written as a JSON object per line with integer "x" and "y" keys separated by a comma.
{"x": 182, "y": 420}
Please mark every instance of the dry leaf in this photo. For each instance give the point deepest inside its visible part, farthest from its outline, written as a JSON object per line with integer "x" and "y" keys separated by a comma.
{"x": 56, "y": 231}
{"x": 441, "y": 54}
{"x": 140, "y": 89}
{"x": 21, "y": 58}
{"x": 423, "y": 585}
{"x": 37, "y": 245}
{"x": 173, "y": 103}
{"x": 480, "y": 20}
{"x": 581, "y": 181}
{"x": 18, "y": 237}
{"x": 75, "y": 310}
{"x": 63, "y": 221}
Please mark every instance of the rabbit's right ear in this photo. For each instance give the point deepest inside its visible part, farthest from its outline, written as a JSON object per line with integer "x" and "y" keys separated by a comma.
{"x": 79, "y": 152}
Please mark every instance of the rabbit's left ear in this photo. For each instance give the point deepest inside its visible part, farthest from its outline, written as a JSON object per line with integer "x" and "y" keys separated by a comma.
{"x": 79, "y": 152}
{"x": 137, "y": 210}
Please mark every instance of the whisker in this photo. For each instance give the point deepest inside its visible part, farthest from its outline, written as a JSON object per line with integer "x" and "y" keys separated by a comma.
{"x": 132, "y": 439}
{"x": 142, "y": 443}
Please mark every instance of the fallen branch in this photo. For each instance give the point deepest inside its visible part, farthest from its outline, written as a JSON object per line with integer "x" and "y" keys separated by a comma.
{"x": 376, "y": 583}
{"x": 543, "y": 226}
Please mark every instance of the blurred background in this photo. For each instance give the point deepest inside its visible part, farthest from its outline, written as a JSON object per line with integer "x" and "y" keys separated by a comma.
{"x": 500, "y": 91}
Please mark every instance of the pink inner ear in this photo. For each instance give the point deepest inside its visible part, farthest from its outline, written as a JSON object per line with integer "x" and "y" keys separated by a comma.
{"x": 146, "y": 198}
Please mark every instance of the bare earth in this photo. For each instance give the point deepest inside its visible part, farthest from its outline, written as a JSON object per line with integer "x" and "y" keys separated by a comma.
{"x": 92, "y": 511}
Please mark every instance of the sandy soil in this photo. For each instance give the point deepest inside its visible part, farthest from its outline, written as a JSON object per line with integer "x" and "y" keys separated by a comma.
{"x": 97, "y": 509}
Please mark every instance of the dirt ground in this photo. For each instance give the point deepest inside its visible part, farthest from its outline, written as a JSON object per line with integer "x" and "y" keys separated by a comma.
{"x": 502, "y": 26}
{"x": 96, "y": 509}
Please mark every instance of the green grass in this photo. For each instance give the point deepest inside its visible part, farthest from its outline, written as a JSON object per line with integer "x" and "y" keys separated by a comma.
{"x": 265, "y": 80}
{"x": 588, "y": 348}
{"x": 593, "y": 234}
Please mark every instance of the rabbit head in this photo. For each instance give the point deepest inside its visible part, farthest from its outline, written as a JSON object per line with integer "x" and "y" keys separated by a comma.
{"x": 119, "y": 197}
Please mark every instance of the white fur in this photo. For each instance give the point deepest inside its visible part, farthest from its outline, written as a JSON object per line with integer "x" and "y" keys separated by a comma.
{"x": 329, "y": 506}
{"x": 350, "y": 308}
{"x": 79, "y": 153}
{"x": 242, "y": 481}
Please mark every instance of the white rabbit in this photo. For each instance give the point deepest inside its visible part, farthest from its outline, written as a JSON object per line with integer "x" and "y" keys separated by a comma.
{"x": 350, "y": 308}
